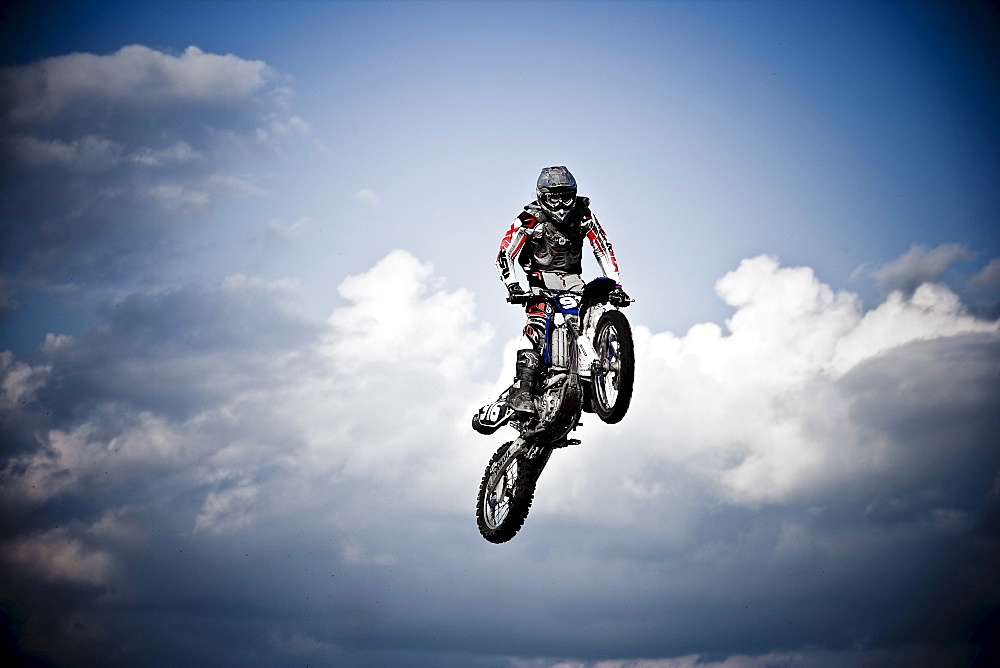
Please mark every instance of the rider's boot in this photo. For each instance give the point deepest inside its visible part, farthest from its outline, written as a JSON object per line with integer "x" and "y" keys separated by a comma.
{"x": 521, "y": 391}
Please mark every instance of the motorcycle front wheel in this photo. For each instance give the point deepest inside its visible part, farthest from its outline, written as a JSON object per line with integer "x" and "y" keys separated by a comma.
{"x": 505, "y": 495}
{"x": 614, "y": 373}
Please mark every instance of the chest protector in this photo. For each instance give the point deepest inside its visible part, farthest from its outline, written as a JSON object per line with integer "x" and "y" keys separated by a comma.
{"x": 551, "y": 246}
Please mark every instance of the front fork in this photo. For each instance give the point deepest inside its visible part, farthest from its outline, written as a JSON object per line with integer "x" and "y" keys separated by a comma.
{"x": 586, "y": 352}
{"x": 532, "y": 449}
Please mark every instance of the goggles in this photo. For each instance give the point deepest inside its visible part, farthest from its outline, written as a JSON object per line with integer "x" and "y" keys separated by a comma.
{"x": 559, "y": 200}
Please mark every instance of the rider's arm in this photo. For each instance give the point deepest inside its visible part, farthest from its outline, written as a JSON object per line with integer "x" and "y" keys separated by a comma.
{"x": 510, "y": 246}
{"x": 602, "y": 247}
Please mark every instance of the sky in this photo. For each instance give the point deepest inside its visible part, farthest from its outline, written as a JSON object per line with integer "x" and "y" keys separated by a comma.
{"x": 248, "y": 308}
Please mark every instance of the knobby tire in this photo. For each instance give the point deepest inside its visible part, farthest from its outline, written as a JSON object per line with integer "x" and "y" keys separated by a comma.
{"x": 516, "y": 494}
{"x": 616, "y": 359}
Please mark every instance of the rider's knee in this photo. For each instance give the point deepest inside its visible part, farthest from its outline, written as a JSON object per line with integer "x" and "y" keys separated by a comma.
{"x": 536, "y": 335}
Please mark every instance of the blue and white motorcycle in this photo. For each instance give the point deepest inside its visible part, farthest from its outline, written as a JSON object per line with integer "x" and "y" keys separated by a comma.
{"x": 588, "y": 365}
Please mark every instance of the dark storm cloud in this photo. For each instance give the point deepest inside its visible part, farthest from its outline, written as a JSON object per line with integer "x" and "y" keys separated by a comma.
{"x": 202, "y": 476}
{"x": 239, "y": 492}
{"x": 158, "y": 359}
{"x": 120, "y": 426}
{"x": 176, "y": 351}
{"x": 106, "y": 157}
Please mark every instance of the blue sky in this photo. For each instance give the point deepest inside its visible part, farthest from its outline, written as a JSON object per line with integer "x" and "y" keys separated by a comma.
{"x": 248, "y": 305}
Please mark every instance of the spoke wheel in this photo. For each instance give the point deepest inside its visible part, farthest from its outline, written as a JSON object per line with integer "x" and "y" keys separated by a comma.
{"x": 614, "y": 373}
{"x": 505, "y": 495}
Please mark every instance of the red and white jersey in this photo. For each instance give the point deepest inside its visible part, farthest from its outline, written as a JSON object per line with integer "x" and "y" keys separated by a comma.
{"x": 541, "y": 246}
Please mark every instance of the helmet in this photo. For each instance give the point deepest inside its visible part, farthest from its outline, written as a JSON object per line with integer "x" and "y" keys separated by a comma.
{"x": 556, "y": 190}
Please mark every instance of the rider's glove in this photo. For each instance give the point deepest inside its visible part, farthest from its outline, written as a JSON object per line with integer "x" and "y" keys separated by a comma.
{"x": 619, "y": 298}
{"x": 516, "y": 294}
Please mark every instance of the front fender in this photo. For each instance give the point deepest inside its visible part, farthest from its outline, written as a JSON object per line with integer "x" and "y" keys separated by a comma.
{"x": 596, "y": 292}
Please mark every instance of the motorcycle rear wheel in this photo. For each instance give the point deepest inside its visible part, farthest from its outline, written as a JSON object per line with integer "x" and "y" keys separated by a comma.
{"x": 613, "y": 376}
{"x": 503, "y": 506}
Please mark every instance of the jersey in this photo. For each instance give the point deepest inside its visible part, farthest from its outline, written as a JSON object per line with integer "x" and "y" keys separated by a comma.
{"x": 546, "y": 250}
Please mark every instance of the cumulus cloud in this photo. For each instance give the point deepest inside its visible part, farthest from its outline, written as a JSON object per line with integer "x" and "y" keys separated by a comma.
{"x": 392, "y": 318}
{"x": 323, "y": 474}
{"x": 762, "y": 411}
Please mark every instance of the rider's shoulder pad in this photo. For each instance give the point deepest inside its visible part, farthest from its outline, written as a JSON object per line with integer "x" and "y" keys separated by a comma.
{"x": 527, "y": 220}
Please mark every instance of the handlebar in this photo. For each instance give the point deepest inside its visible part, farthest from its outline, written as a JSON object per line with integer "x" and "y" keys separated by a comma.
{"x": 527, "y": 297}
{"x": 621, "y": 303}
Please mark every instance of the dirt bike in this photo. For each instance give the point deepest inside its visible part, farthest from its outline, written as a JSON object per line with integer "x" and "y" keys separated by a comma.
{"x": 588, "y": 365}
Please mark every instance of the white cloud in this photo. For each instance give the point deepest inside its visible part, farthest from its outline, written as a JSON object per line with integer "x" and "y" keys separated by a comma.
{"x": 179, "y": 197}
{"x": 368, "y": 196}
{"x": 395, "y": 317}
{"x": 756, "y": 414}
{"x": 133, "y": 76}
{"x": 759, "y": 413}
{"x": 75, "y": 458}
{"x": 355, "y": 440}
{"x": 394, "y": 389}
{"x": 299, "y": 227}
{"x": 178, "y": 153}
{"x": 54, "y": 555}
{"x": 19, "y": 380}
{"x": 228, "y": 511}
{"x": 198, "y": 195}
{"x": 232, "y": 186}
{"x": 931, "y": 312}
{"x": 293, "y": 126}
{"x": 388, "y": 385}
{"x": 290, "y": 232}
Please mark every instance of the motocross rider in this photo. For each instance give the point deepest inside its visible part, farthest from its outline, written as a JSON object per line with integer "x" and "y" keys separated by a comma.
{"x": 546, "y": 240}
